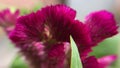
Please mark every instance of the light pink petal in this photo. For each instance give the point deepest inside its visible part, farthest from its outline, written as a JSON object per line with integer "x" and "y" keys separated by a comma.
{"x": 106, "y": 61}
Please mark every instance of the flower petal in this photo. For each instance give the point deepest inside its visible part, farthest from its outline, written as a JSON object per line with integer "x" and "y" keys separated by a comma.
{"x": 106, "y": 61}
{"x": 58, "y": 56}
{"x": 102, "y": 25}
{"x": 34, "y": 54}
{"x": 90, "y": 62}
{"x": 8, "y": 19}
{"x": 80, "y": 34}
{"x": 39, "y": 55}
{"x": 28, "y": 28}
{"x": 59, "y": 19}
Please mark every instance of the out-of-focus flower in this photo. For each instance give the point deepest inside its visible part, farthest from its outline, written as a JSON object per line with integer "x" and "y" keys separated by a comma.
{"x": 8, "y": 19}
{"x": 44, "y": 37}
{"x": 106, "y": 60}
{"x": 103, "y": 62}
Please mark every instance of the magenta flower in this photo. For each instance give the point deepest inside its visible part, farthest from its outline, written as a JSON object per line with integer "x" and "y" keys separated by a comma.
{"x": 44, "y": 37}
{"x": 8, "y": 19}
{"x": 102, "y": 25}
{"x": 103, "y": 62}
{"x": 106, "y": 60}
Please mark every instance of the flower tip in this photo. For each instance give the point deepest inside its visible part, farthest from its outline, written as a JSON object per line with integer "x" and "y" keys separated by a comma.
{"x": 107, "y": 60}
{"x": 102, "y": 25}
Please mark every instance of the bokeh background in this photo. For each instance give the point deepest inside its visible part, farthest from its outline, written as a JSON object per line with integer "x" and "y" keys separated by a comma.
{"x": 9, "y": 57}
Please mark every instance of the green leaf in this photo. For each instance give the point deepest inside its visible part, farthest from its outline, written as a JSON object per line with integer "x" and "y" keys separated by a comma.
{"x": 18, "y": 62}
{"x": 75, "y": 58}
{"x": 37, "y": 7}
{"x": 110, "y": 43}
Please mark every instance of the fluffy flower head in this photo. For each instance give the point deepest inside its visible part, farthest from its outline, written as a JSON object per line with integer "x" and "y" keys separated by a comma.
{"x": 44, "y": 36}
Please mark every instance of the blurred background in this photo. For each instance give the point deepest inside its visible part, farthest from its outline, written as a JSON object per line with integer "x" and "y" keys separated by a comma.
{"x": 8, "y": 58}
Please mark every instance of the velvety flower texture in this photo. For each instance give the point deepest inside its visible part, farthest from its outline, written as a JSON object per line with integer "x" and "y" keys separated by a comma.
{"x": 102, "y": 25}
{"x": 44, "y": 36}
{"x": 8, "y": 19}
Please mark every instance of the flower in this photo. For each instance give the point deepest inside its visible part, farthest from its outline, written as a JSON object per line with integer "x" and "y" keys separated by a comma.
{"x": 106, "y": 60}
{"x": 8, "y": 19}
{"x": 103, "y": 62}
{"x": 44, "y": 37}
{"x": 102, "y": 25}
